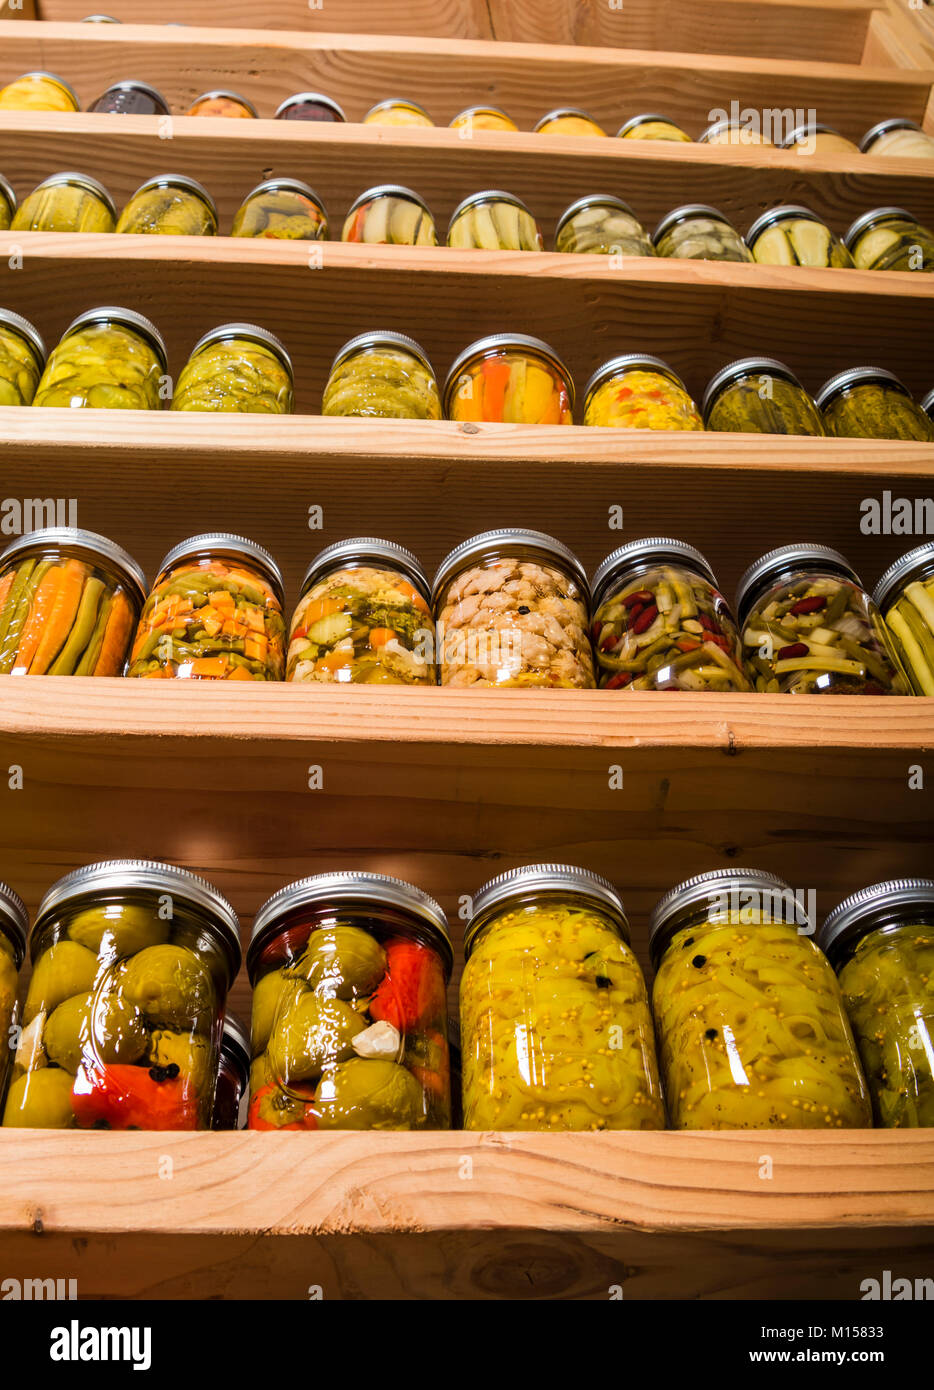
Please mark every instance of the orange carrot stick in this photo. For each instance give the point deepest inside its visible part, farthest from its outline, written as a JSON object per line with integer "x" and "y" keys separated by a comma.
{"x": 116, "y": 636}
{"x": 496, "y": 375}
{"x": 62, "y": 614}
{"x": 39, "y": 610}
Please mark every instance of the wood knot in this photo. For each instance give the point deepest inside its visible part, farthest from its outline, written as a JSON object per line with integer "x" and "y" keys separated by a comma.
{"x": 468, "y": 428}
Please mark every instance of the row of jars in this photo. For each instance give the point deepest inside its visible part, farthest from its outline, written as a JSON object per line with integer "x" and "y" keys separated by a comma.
{"x": 122, "y": 1024}
{"x": 509, "y": 608}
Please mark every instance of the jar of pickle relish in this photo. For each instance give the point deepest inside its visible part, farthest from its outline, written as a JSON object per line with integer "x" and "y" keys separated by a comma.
{"x": 729, "y": 132}
{"x": 383, "y": 375}
{"x": 568, "y": 120}
{"x": 131, "y": 98}
{"x": 170, "y": 205}
{"x": 890, "y": 239}
{"x": 602, "y": 223}
{"x": 511, "y": 378}
{"x": 396, "y": 111}
{"x": 236, "y": 367}
{"x": 310, "y": 106}
{"x": 7, "y": 204}
{"x": 22, "y": 358}
{"x": 810, "y": 628}
{"x": 38, "y": 91}
{"x": 898, "y": 136}
{"x": 556, "y": 1032}
{"x": 67, "y": 202}
{"x": 759, "y": 395}
{"x": 132, "y": 961}
{"x": 390, "y": 214}
{"x": 14, "y": 926}
{"x": 494, "y": 221}
{"x": 232, "y": 1090}
{"x": 697, "y": 232}
{"x": 638, "y": 392}
{"x": 224, "y": 103}
{"x": 349, "y": 975}
{"x": 880, "y": 941}
{"x": 793, "y": 235}
{"x": 751, "y": 1026}
{"x": 651, "y": 126}
{"x": 905, "y": 597}
{"x": 108, "y": 358}
{"x": 284, "y": 208}
{"x": 661, "y": 623}
{"x": 871, "y": 403}
{"x": 214, "y": 613}
{"x": 482, "y": 118}
{"x": 817, "y": 138}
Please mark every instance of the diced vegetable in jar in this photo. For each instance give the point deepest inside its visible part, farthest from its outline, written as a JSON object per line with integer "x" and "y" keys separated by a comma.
{"x": 637, "y": 392}
{"x": 283, "y": 208}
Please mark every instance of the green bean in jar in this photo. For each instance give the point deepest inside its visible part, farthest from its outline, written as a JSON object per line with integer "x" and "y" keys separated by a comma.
{"x": 871, "y": 403}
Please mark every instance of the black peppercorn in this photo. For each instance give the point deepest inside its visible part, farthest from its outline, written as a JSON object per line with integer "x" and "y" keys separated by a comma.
{"x": 698, "y": 961}
{"x": 711, "y": 1034}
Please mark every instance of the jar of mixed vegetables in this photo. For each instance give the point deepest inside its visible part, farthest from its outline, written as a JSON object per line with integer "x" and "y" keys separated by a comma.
{"x": 69, "y": 601}
{"x": 22, "y": 359}
{"x": 38, "y": 91}
{"x": 108, "y": 358}
{"x": 661, "y": 623}
{"x": 898, "y": 136}
{"x": 396, "y": 111}
{"x": 214, "y": 613}
{"x": 285, "y": 208}
{"x": 751, "y": 1026}
{"x": 510, "y": 378}
{"x": 905, "y": 597}
{"x": 568, "y": 120}
{"x": 384, "y": 375}
{"x": 363, "y": 617}
{"x": 880, "y": 941}
{"x": 730, "y": 132}
{"x": 131, "y": 98}
{"x": 224, "y": 103}
{"x": 7, "y": 204}
{"x": 14, "y": 924}
{"x": 349, "y": 975}
{"x": 638, "y": 392}
{"x": 232, "y": 1091}
{"x": 809, "y": 627}
{"x": 494, "y": 221}
{"x": 390, "y": 214}
{"x": 310, "y": 106}
{"x": 697, "y": 232}
{"x": 556, "y": 1032}
{"x": 871, "y": 403}
{"x": 817, "y": 138}
{"x": 759, "y": 395}
{"x": 238, "y": 367}
{"x": 66, "y": 202}
{"x": 131, "y": 964}
{"x": 651, "y": 126}
{"x": 482, "y": 118}
{"x": 890, "y": 239}
{"x": 602, "y": 223}
{"x": 512, "y": 611}
{"x": 170, "y": 205}
{"x": 793, "y": 235}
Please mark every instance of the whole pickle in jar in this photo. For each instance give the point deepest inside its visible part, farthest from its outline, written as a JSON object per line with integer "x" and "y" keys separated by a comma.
{"x": 64, "y": 970}
{"x": 106, "y": 1029}
{"x": 759, "y": 395}
{"x": 871, "y": 403}
{"x": 119, "y": 928}
{"x": 494, "y": 221}
{"x": 390, "y": 215}
{"x": 169, "y": 205}
{"x": 345, "y": 961}
{"x": 22, "y": 359}
{"x": 287, "y": 209}
{"x": 316, "y": 1032}
{"x": 603, "y": 224}
{"x": 66, "y": 203}
{"x": 40, "y": 1100}
{"x": 793, "y": 235}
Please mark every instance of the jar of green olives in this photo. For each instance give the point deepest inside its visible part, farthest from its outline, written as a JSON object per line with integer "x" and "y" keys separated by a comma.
{"x": 603, "y": 224}
{"x": 7, "y": 204}
{"x": 651, "y": 126}
{"x": 759, "y": 395}
{"x": 236, "y": 367}
{"x": 349, "y": 975}
{"x": 390, "y": 215}
{"x": 697, "y": 232}
{"x": 232, "y": 1092}
{"x": 385, "y": 375}
{"x": 905, "y": 597}
{"x": 14, "y": 923}
{"x": 794, "y": 235}
{"x": 494, "y": 221}
{"x": 871, "y": 403}
{"x": 38, "y": 91}
{"x": 170, "y": 205}
{"x": 67, "y": 202}
{"x": 285, "y": 208}
{"x": 108, "y": 358}
{"x": 22, "y": 359}
{"x": 131, "y": 964}
{"x": 890, "y": 239}
{"x": 900, "y": 137}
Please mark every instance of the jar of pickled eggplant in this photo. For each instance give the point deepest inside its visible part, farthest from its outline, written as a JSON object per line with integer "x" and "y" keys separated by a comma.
{"x": 759, "y": 395}
{"x": 14, "y": 924}
{"x": 38, "y": 91}
{"x": 638, "y": 392}
{"x": 905, "y": 597}
{"x": 284, "y": 208}
{"x": 232, "y": 1091}
{"x": 661, "y": 623}
{"x": 810, "y": 628}
{"x": 363, "y": 618}
{"x": 651, "y": 126}
{"x": 509, "y": 378}
{"x": 22, "y": 358}
{"x": 390, "y": 214}
{"x": 752, "y": 1032}
{"x": 817, "y": 138}
{"x": 898, "y": 136}
{"x": 131, "y": 98}
{"x": 310, "y": 106}
{"x": 697, "y": 232}
{"x": 383, "y": 375}
{"x": 223, "y": 103}
{"x": 131, "y": 964}
{"x": 482, "y": 118}
{"x": 7, "y": 204}
{"x": 730, "y": 132}
{"x": 568, "y": 120}
{"x": 556, "y": 1032}
{"x": 890, "y": 239}
{"x": 66, "y": 202}
{"x": 396, "y": 111}
{"x": 238, "y": 367}
{"x": 511, "y": 607}
{"x": 349, "y": 975}
{"x": 871, "y": 403}
{"x": 601, "y": 223}
{"x": 494, "y": 221}
{"x": 214, "y": 613}
{"x": 793, "y": 235}
{"x": 880, "y": 941}
{"x": 108, "y": 358}
{"x": 69, "y": 602}
{"x": 170, "y": 205}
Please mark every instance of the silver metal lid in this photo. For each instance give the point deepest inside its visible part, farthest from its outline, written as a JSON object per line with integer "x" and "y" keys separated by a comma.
{"x": 629, "y": 362}
{"x": 183, "y": 182}
{"x": 235, "y": 1039}
{"x": 643, "y": 119}
{"x": 927, "y": 403}
{"x": 684, "y": 214}
{"x": 14, "y": 921}
{"x": 252, "y": 332}
{"x": 507, "y": 538}
{"x": 219, "y": 92}
{"x": 564, "y": 111}
{"x": 131, "y": 84}
{"x": 100, "y": 19}
{"x": 902, "y": 571}
{"x": 883, "y": 127}
{"x": 857, "y": 376}
{"x": 26, "y": 330}
{"x": 287, "y": 185}
{"x": 766, "y": 570}
{"x": 743, "y": 367}
{"x": 127, "y": 318}
{"x": 808, "y": 128}
{"x": 867, "y": 220}
{"x": 633, "y": 553}
{"x": 70, "y": 177}
{"x": 53, "y": 76}
{"x": 388, "y": 102}
{"x": 381, "y": 338}
{"x": 479, "y": 107}
{"x": 367, "y": 549}
{"x": 6, "y": 192}
{"x": 148, "y": 876}
{"x": 897, "y": 899}
{"x": 389, "y": 190}
{"x": 318, "y": 98}
{"x": 542, "y": 878}
{"x": 86, "y": 543}
{"x": 228, "y": 545}
{"x": 488, "y": 195}
{"x": 780, "y": 214}
{"x": 680, "y": 901}
{"x": 590, "y": 200}
{"x": 494, "y": 341}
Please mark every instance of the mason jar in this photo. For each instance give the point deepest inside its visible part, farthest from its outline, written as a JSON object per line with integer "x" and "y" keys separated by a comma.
{"x": 14, "y": 926}
{"x": 7, "y": 204}
{"x": 494, "y": 221}
{"x": 651, "y": 126}
{"x": 871, "y": 403}
{"x": 603, "y": 224}
{"x": 232, "y": 1090}
{"x": 814, "y": 137}
{"x": 636, "y": 391}
{"x": 22, "y": 359}
{"x": 697, "y": 232}
{"x": 482, "y": 118}
{"x": 730, "y": 132}
{"x": 131, "y": 98}
{"x": 390, "y": 215}
{"x": 38, "y": 91}
{"x": 794, "y": 235}
{"x": 397, "y": 111}
{"x": 890, "y": 239}
{"x": 509, "y": 378}
{"x": 382, "y": 375}
{"x": 224, "y": 103}
{"x": 236, "y": 367}
{"x": 759, "y": 395}
{"x": 170, "y": 205}
{"x": 284, "y": 208}
{"x": 66, "y": 202}
{"x": 905, "y": 597}
{"x": 898, "y": 136}
{"x": 107, "y": 358}
{"x": 310, "y": 106}
{"x": 568, "y": 120}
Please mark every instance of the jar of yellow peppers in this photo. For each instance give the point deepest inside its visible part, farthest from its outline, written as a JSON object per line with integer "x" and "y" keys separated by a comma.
{"x": 510, "y": 378}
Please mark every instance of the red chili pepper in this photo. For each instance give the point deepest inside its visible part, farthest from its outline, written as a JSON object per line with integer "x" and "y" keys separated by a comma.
{"x": 640, "y": 596}
{"x": 809, "y": 605}
{"x": 411, "y": 993}
{"x": 687, "y": 644}
{"x": 645, "y": 619}
{"x": 124, "y": 1097}
{"x": 271, "y": 1104}
{"x": 596, "y": 629}
{"x": 609, "y": 642}
{"x": 708, "y": 623}
{"x": 792, "y": 650}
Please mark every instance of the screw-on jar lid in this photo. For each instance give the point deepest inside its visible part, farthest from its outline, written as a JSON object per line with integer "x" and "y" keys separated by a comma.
{"x": 507, "y": 538}
{"x": 743, "y": 367}
{"x": 130, "y": 84}
{"x": 87, "y": 544}
{"x": 235, "y": 1040}
{"x": 70, "y": 178}
{"x": 593, "y": 200}
{"x": 506, "y": 342}
{"x": 366, "y": 550}
{"x": 388, "y": 190}
{"x": 389, "y": 103}
{"x": 488, "y": 195}
{"x": 7, "y": 194}
{"x": 881, "y": 904}
{"x": 685, "y": 214}
{"x": 643, "y": 119}
{"x": 252, "y": 332}
{"x": 26, "y": 330}
{"x": 717, "y": 127}
{"x": 800, "y": 132}
{"x": 627, "y": 557}
{"x": 903, "y": 571}
{"x": 287, "y": 185}
{"x": 563, "y": 879}
{"x": 312, "y": 98}
{"x": 867, "y": 220}
{"x": 766, "y": 570}
{"x": 564, "y": 111}
{"x": 42, "y": 74}
{"x": 228, "y": 546}
{"x": 184, "y": 183}
{"x": 379, "y": 338}
{"x": 857, "y": 376}
{"x": 224, "y": 93}
{"x": 680, "y": 902}
{"x": 127, "y": 318}
{"x": 14, "y": 922}
{"x": 883, "y": 128}
{"x": 629, "y": 362}
{"x": 784, "y": 213}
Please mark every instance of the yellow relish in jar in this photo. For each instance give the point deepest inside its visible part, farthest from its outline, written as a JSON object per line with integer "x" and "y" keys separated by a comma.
{"x": 637, "y": 392}
{"x": 38, "y": 91}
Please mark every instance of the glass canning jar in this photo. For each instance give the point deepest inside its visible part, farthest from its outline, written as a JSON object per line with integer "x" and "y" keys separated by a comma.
{"x": 759, "y": 395}
{"x": 390, "y": 215}
{"x": 809, "y": 627}
{"x": 602, "y": 223}
{"x": 22, "y": 359}
{"x": 14, "y": 925}
{"x": 793, "y": 235}
{"x": 871, "y": 403}
{"x": 349, "y": 975}
{"x": 396, "y": 111}
{"x": 482, "y": 118}
{"x": 905, "y": 597}
{"x": 108, "y": 358}
{"x": 697, "y": 232}
{"x": 556, "y": 1032}
{"x": 363, "y": 617}
{"x": 890, "y": 239}
{"x": 751, "y": 1026}
{"x": 729, "y": 132}
{"x": 214, "y": 613}
{"x": 170, "y": 205}
{"x": 493, "y": 220}
{"x": 817, "y": 138}
{"x": 38, "y": 91}
{"x": 661, "y": 623}
{"x": 284, "y": 208}
{"x": 310, "y": 106}
{"x": 511, "y": 608}
{"x": 568, "y": 120}
{"x": 236, "y": 367}
{"x": 898, "y": 136}
{"x": 224, "y": 103}
{"x": 131, "y": 98}
{"x": 69, "y": 601}
{"x": 384, "y": 375}
{"x": 66, "y": 202}
{"x": 638, "y": 392}
{"x": 509, "y": 378}
{"x": 880, "y": 941}
{"x": 7, "y": 204}
{"x": 651, "y": 126}
{"x": 232, "y": 1091}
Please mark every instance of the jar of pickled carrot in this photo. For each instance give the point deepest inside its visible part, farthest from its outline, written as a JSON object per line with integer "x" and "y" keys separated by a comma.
{"x": 511, "y": 378}
{"x": 637, "y": 392}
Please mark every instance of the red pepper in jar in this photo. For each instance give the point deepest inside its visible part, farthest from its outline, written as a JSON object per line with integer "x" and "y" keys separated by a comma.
{"x": 273, "y": 1108}
{"x": 411, "y": 993}
{"x": 809, "y": 605}
{"x": 117, "y": 1096}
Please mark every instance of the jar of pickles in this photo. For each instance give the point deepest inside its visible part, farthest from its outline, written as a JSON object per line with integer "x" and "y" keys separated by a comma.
{"x": 232, "y": 1091}
{"x": 284, "y": 208}
{"x": 7, "y": 204}
{"x": 382, "y": 375}
{"x": 759, "y": 395}
{"x": 22, "y": 358}
{"x": 236, "y": 367}
{"x": 390, "y": 214}
{"x": 108, "y": 358}
{"x": 509, "y": 378}
{"x": 905, "y": 597}
{"x": 898, "y": 136}
{"x": 512, "y": 611}
{"x": 661, "y": 623}
{"x": 793, "y": 235}
{"x": 38, "y": 91}
{"x": 170, "y": 205}
{"x": 349, "y": 975}
{"x": 817, "y": 138}
{"x": 131, "y": 98}
{"x": 651, "y": 126}
{"x": 697, "y": 232}
{"x": 890, "y": 239}
{"x": 310, "y": 106}
{"x": 214, "y": 613}
{"x": 14, "y": 923}
{"x": 132, "y": 961}
{"x": 494, "y": 221}
{"x": 363, "y": 618}
{"x": 556, "y": 1032}
{"x": 226, "y": 104}
{"x": 66, "y": 202}
{"x": 880, "y": 941}
{"x": 396, "y": 111}
{"x": 871, "y": 403}
{"x": 810, "y": 628}
{"x": 482, "y": 118}
{"x": 601, "y": 223}
{"x": 732, "y": 132}
{"x": 69, "y": 601}
{"x": 638, "y": 392}
{"x": 568, "y": 120}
